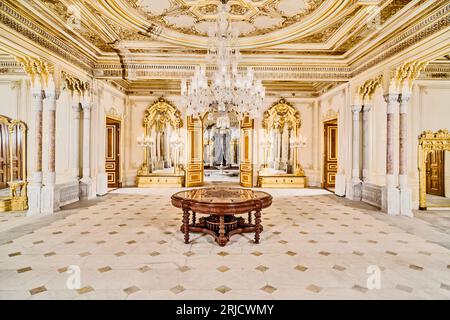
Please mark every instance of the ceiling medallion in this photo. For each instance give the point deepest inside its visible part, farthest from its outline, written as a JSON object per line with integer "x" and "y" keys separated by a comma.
{"x": 251, "y": 17}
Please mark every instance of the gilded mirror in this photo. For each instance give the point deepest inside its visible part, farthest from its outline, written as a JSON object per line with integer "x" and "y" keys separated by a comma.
{"x": 161, "y": 139}
{"x": 282, "y": 140}
{"x": 13, "y": 172}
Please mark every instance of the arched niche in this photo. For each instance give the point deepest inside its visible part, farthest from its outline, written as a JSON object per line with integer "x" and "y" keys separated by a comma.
{"x": 281, "y": 142}
{"x": 162, "y": 145}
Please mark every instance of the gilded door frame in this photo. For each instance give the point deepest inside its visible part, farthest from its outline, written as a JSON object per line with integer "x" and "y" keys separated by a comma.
{"x": 429, "y": 141}
{"x": 246, "y": 162}
{"x": 121, "y": 145}
{"x": 325, "y": 144}
{"x": 195, "y": 173}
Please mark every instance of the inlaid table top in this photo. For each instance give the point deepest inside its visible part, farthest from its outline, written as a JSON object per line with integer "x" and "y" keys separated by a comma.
{"x": 221, "y": 195}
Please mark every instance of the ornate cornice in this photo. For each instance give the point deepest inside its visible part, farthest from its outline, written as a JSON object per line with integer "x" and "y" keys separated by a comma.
{"x": 18, "y": 22}
{"x": 438, "y": 21}
{"x": 11, "y": 67}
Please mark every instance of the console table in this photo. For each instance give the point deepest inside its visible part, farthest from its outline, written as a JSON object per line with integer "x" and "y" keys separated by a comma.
{"x": 221, "y": 207}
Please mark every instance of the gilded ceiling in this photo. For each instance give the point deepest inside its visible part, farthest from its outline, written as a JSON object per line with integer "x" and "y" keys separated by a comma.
{"x": 260, "y": 23}
{"x": 249, "y": 17}
{"x": 304, "y": 46}
{"x": 316, "y": 27}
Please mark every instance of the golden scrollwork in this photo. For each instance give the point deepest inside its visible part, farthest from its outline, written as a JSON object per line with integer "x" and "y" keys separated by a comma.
{"x": 281, "y": 113}
{"x": 74, "y": 84}
{"x": 369, "y": 87}
{"x": 36, "y": 69}
{"x": 405, "y": 75}
{"x": 160, "y": 113}
{"x": 428, "y": 142}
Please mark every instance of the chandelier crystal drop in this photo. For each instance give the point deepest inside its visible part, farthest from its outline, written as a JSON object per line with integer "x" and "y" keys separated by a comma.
{"x": 228, "y": 89}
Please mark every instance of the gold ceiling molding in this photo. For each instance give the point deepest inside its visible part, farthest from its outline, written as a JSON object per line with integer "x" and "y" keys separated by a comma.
{"x": 42, "y": 36}
{"x": 281, "y": 114}
{"x": 432, "y": 23}
{"x": 433, "y": 19}
{"x": 160, "y": 113}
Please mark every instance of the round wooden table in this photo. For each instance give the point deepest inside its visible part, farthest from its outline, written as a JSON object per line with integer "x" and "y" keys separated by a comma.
{"x": 221, "y": 205}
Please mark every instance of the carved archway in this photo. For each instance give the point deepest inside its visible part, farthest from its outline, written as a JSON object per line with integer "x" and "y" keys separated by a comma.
{"x": 428, "y": 142}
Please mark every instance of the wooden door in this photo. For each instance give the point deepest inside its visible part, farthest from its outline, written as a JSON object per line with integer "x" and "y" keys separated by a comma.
{"x": 435, "y": 173}
{"x": 112, "y": 165}
{"x": 246, "y": 167}
{"x": 4, "y": 163}
{"x": 194, "y": 169}
{"x": 330, "y": 153}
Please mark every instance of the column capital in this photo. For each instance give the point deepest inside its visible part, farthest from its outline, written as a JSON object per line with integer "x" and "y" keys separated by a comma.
{"x": 86, "y": 106}
{"x": 404, "y": 97}
{"x": 76, "y": 107}
{"x": 367, "y": 108}
{"x": 52, "y": 95}
{"x": 356, "y": 108}
{"x": 391, "y": 99}
{"x": 38, "y": 93}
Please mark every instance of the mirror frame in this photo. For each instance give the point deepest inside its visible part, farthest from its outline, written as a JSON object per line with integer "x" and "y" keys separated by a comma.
{"x": 157, "y": 115}
{"x": 18, "y": 198}
{"x": 277, "y": 117}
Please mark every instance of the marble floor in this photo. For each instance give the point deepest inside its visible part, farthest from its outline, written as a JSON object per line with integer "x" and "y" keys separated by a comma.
{"x": 127, "y": 245}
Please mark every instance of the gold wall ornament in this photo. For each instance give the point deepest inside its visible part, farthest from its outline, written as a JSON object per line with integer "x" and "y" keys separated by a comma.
{"x": 367, "y": 90}
{"x": 405, "y": 75}
{"x": 281, "y": 113}
{"x": 74, "y": 84}
{"x": 160, "y": 113}
{"x": 36, "y": 69}
{"x": 17, "y": 164}
{"x": 429, "y": 141}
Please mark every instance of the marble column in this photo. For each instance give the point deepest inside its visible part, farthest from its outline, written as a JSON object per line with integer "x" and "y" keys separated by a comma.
{"x": 49, "y": 200}
{"x": 35, "y": 184}
{"x": 405, "y": 191}
{"x": 390, "y": 197}
{"x": 366, "y": 150}
{"x": 76, "y": 113}
{"x": 102, "y": 178}
{"x": 356, "y": 171}
{"x": 86, "y": 181}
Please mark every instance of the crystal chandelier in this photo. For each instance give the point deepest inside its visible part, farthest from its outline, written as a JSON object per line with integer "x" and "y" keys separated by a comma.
{"x": 228, "y": 89}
